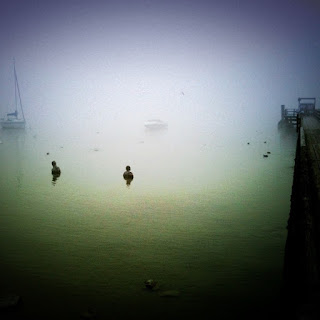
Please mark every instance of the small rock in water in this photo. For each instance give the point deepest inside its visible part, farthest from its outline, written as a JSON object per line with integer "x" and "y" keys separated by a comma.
{"x": 48, "y": 153}
{"x": 150, "y": 284}
{"x": 90, "y": 314}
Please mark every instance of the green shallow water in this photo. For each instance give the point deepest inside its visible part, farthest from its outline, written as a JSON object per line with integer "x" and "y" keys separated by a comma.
{"x": 205, "y": 219}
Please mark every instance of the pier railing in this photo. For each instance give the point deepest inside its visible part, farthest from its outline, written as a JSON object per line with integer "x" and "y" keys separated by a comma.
{"x": 292, "y": 116}
{"x": 289, "y": 115}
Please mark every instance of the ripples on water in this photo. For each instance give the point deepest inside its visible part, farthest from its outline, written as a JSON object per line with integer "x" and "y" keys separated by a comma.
{"x": 204, "y": 217}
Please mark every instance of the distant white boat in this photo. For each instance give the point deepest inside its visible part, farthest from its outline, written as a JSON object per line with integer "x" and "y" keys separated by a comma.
{"x": 155, "y": 124}
{"x": 13, "y": 120}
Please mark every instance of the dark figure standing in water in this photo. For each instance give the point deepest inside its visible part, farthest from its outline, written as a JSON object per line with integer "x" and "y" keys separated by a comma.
{"x": 55, "y": 169}
{"x": 55, "y": 172}
{"x": 128, "y": 175}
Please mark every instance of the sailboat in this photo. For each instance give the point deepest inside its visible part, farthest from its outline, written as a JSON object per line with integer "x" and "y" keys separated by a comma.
{"x": 13, "y": 120}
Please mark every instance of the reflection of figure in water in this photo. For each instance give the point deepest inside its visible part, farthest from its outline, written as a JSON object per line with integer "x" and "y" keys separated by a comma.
{"x": 128, "y": 175}
{"x": 55, "y": 177}
{"x": 55, "y": 172}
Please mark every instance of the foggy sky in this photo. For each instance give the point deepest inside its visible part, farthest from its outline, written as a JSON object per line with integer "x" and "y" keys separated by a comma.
{"x": 134, "y": 60}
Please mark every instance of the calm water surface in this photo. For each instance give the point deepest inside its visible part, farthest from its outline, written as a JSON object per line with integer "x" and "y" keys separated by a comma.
{"x": 205, "y": 216}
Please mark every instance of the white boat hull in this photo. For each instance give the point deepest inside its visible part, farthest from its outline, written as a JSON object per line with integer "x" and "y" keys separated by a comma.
{"x": 12, "y": 124}
{"x": 155, "y": 124}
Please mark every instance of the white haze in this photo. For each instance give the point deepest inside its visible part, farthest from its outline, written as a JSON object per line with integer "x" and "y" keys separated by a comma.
{"x": 105, "y": 66}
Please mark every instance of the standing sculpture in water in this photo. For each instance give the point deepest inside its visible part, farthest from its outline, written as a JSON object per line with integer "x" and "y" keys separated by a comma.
{"x": 128, "y": 175}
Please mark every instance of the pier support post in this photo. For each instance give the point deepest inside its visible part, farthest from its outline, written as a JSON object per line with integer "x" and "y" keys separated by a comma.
{"x": 282, "y": 111}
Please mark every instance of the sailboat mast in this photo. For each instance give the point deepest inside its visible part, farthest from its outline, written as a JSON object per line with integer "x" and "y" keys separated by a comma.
{"x": 15, "y": 95}
{"x": 17, "y": 88}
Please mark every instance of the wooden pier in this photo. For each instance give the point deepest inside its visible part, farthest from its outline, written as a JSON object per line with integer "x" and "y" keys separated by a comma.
{"x": 292, "y": 116}
{"x": 302, "y": 251}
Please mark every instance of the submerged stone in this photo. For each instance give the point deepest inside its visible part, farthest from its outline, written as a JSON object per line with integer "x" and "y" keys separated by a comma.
{"x": 9, "y": 301}
{"x": 169, "y": 293}
{"x": 150, "y": 284}
{"x": 90, "y": 314}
